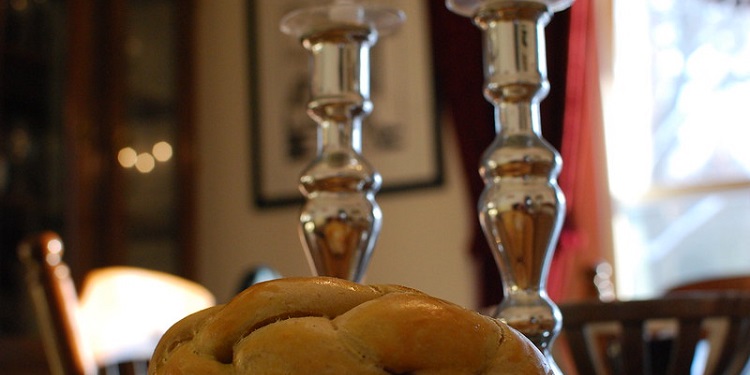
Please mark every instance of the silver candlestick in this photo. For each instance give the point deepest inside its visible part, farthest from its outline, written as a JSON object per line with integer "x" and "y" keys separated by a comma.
{"x": 522, "y": 208}
{"x": 340, "y": 220}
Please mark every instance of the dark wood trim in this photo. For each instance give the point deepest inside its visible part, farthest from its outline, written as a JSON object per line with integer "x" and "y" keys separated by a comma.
{"x": 113, "y": 87}
{"x": 186, "y": 139}
{"x": 93, "y": 121}
{"x": 3, "y": 14}
{"x": 23, "y": 355}
{"x": 78, "y": 127}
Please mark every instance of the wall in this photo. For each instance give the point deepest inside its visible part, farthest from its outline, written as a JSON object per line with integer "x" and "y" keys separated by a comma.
{"x": 424, "y": 239}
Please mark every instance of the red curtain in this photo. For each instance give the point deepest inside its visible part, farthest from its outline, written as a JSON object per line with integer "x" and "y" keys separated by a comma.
{"x": 459, "y": 76}
{"x": 586, "y": 232}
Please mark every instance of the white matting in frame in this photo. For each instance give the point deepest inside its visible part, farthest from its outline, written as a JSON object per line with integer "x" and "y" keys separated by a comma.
{"x": 401, "y": 138}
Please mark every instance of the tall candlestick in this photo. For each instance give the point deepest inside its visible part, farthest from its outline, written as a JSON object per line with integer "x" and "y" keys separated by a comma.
{"x": 340, "y": 220}
{"x": 522, "y": 208}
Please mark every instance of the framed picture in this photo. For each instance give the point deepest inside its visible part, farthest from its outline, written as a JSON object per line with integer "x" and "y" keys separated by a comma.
{"x": 401, "y": 138}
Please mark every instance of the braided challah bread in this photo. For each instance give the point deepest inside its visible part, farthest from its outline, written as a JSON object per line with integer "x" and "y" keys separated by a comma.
{"x": 320, "y": 325}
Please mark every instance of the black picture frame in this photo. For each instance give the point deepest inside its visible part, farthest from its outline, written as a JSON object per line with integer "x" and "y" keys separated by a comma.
{"x": 401, "y": 138}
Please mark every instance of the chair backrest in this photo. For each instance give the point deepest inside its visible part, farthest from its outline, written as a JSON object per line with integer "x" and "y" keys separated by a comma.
{"x": 723, "y": 283}
{"x": 660, "y": 336}
{"x": 118, "y": 318}
{"x": 55, "y": 303}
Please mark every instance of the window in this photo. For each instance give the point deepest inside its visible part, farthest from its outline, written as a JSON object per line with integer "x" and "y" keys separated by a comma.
{"x": 678, "y": 142}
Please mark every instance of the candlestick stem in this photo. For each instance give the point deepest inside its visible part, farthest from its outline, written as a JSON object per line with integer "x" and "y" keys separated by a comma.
{"x": 521, "y": 208}
{"x": 340, "y": 221}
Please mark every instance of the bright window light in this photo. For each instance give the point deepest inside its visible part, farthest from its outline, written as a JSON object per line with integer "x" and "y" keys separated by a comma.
{"x": 677, "y": 134}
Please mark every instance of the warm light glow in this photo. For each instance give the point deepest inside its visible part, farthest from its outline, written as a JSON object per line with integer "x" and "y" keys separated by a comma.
{"x": 124, "y": 311}
{"x": 54, "y": 246}
{"x": 309, "y": 227}
{"x": 127, "y": 157}
{"x": 145, "y": 163}
{"x": 54, "y": 254}
{"x": 162, "y": 151}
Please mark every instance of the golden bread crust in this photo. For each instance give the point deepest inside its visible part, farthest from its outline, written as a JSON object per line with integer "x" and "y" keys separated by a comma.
{"x": 322, "y": 325}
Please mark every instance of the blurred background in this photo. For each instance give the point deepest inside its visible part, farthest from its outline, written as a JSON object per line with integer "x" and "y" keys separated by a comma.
{"x": 127, "y": 126}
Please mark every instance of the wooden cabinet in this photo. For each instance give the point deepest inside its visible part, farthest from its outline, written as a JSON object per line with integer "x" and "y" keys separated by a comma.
{"x": 81, "y": 81}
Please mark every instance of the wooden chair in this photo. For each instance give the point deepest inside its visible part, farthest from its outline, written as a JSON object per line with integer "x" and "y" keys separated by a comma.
{"x": 118, "y": 319}
{"x": 660, "y": 336}
{"x": 714, "y": 284}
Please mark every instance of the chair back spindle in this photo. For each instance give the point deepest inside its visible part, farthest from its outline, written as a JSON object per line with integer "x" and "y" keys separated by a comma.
{"x": 115, "y": 323}
{"x": 55, "y": 302}
{"x": 660, "y": 336}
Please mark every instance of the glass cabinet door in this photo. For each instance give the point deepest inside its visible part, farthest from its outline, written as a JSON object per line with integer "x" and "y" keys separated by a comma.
{"x": 95, "y": 142}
